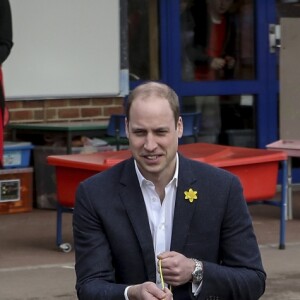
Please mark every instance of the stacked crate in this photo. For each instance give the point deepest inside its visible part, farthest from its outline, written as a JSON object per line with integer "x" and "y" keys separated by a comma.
{"x": 16, "y": 178}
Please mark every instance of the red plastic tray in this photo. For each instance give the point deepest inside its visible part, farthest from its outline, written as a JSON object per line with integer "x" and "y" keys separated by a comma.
{"x": 256, "y": 168}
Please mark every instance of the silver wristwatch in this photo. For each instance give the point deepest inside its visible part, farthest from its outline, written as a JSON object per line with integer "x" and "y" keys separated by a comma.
{"x": 198, "y": 271}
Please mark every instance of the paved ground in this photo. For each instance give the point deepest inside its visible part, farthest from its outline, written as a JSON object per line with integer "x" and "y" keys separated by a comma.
{"x": 282, "y": 266}
{"x": 32, "y": 268}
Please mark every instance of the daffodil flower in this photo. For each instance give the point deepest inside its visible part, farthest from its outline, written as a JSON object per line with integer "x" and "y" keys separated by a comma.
{"x": 190, "y": 195}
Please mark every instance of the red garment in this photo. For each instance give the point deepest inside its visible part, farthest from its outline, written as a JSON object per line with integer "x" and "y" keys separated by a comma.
{"x": 217, "y": 38}
{"x": 214, "y": 49}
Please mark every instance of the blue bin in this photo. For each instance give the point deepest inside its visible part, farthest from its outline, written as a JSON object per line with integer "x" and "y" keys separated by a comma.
{"x": 16, "y": 154}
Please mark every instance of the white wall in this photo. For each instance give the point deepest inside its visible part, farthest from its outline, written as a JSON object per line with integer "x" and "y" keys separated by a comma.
{"x": 64, "y": 48}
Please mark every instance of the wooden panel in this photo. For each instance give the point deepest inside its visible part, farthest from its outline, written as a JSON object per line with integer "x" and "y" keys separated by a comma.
{"x": 290, "y": 79}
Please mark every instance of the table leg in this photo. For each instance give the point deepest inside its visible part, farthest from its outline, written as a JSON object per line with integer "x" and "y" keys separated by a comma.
{"x": 289, "y": 215}
{"x": 14, "y": 134}
{"x": 69, "y": 143}
{"x": 283, "y": 204}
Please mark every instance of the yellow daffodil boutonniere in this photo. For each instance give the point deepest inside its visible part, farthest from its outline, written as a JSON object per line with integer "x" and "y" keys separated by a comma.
{"x": 190, "y": 195}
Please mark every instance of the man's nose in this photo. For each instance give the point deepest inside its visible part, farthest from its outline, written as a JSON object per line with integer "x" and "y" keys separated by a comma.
{"x": 150, "y": 142}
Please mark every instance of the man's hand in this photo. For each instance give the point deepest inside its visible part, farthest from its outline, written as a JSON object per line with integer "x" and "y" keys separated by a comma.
{"x": 176, "y": 268}
{"x": 148, "y": 291}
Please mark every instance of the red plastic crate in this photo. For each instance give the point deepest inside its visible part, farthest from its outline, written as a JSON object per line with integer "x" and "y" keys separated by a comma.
{"x": 256, "y": 168}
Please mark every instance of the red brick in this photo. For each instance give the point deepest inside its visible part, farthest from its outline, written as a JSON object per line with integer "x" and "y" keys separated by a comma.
{"x": 69, "y": 113}
{"x": 91, "y": 112}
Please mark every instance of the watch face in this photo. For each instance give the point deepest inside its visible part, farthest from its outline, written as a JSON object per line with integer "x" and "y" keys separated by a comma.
{"x": 198, "y": 272}
{"x": 198, "y": 275}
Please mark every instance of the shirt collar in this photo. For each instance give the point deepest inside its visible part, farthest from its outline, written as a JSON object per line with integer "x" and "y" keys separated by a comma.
{"x": 142, "y": 179}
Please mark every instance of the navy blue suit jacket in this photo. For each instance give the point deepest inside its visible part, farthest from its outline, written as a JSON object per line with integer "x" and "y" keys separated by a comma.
{"x": 113, "y": 242}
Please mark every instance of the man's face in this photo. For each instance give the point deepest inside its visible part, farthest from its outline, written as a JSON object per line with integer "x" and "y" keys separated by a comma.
{"x": 153, "y": 138}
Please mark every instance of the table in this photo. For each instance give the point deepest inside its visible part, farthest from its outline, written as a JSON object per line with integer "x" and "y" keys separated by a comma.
{"x": 292, "y": 149}
{"x": 69, "y": 130}
{"x": 256, "y": 168}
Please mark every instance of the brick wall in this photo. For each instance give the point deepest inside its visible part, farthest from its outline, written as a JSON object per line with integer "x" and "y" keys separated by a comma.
{"x": 62, "y": 110}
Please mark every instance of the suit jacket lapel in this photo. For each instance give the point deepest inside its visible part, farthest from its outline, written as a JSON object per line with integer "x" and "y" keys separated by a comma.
{"x": 137, "y": 213}
{"x": 184, "y": 209}
{"x": 133, "y": 200}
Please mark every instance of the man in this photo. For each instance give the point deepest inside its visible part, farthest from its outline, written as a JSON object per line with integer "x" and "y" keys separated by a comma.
{"x": 161, "y": 226}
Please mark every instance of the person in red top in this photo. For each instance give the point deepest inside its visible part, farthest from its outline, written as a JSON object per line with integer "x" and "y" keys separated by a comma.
{"x": 208, "y": 53}
{"x": 6, "y": 44}
{"x": 214, "y": 40}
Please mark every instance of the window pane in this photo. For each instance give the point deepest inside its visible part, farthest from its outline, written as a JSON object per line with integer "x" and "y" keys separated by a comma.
{"x": 143, "y": 41}
{"x": 217, "y": 39}
{"x": 227, "y": 120}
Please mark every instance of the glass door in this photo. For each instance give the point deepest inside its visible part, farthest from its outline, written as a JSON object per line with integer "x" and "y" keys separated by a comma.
{"x": 216, "y": 55}
{"x": 217, "y": 50}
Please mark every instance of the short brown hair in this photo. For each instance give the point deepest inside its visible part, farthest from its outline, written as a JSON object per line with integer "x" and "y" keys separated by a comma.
{"x": 157, "y": 89}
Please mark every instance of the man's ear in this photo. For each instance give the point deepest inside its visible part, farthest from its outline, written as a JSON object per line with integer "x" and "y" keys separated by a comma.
{"x": 126, "y": 126}
{"x": 179, "y": 127}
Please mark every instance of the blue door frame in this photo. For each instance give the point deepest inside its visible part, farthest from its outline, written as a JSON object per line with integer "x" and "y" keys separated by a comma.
{"x": 265, "y": 87}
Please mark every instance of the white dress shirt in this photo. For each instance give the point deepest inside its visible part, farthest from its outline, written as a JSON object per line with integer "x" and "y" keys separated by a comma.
{"x": 160, "y": 214}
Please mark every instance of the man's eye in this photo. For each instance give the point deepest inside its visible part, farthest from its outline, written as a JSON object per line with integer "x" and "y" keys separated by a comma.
{"x": 161, "y": 132}
{"x": 139, "y": 133}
